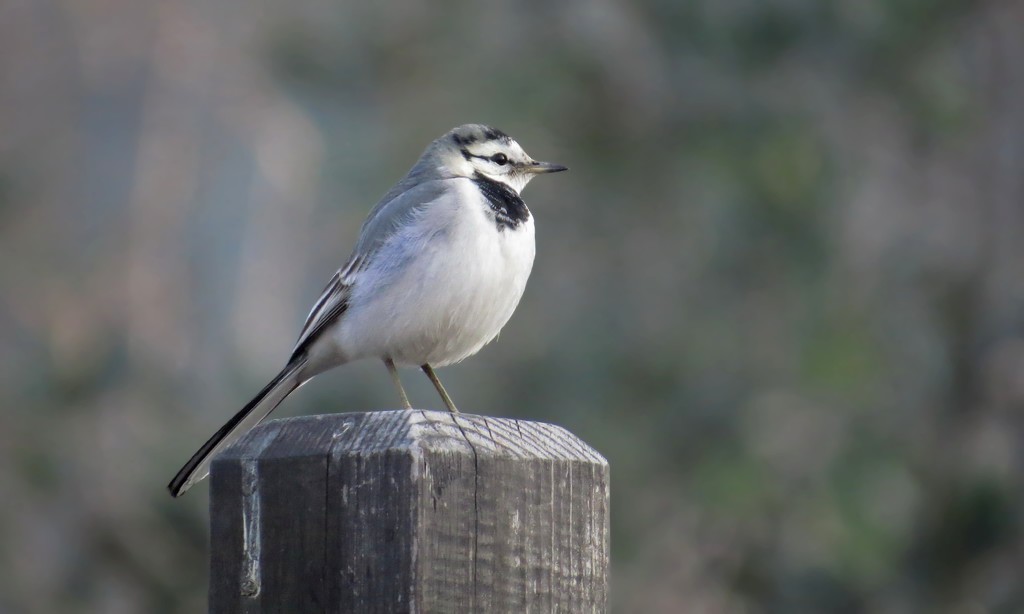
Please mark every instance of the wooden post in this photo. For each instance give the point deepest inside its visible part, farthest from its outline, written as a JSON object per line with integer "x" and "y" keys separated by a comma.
{"x": 409, "y": 511}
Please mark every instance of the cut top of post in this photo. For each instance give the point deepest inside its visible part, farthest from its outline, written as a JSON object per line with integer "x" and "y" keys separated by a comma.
{"x": 408, "y": 430}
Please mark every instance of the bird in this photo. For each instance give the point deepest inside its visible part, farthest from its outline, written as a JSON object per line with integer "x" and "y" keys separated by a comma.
{"x": 439, "y": 266}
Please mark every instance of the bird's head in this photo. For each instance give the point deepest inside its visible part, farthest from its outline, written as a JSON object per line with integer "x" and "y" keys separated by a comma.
{"x": 474, "y": 149}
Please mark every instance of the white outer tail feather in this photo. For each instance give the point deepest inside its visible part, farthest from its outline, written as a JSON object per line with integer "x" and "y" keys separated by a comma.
{"x": 198, "y": 467}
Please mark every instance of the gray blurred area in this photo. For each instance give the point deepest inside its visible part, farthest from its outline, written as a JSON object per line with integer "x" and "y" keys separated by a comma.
{"x": 782, "y": 288}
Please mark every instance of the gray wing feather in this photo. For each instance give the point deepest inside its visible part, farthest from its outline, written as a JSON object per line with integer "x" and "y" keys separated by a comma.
{"x": 393, "y": 211}
{"x": 386, "y": 218}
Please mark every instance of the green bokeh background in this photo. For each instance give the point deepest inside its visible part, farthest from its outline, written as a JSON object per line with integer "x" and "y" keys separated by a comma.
{"x": 781, "y": 288}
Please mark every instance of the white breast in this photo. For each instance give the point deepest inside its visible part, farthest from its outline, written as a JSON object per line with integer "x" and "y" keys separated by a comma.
{"x": 443, "y": 286}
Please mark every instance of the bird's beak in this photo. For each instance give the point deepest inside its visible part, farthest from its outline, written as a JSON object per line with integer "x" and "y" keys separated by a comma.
{"x": 539, "y": 168}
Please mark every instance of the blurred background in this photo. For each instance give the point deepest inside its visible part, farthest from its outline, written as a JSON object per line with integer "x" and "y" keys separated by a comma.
{"x": 782, "y": 289}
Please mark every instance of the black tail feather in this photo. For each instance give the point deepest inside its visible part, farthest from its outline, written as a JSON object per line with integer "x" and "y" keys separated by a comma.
{"x": 282, "y": 385}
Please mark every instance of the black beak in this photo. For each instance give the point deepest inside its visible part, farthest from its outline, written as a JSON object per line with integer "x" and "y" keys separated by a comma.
{"x": 544, "y": 167}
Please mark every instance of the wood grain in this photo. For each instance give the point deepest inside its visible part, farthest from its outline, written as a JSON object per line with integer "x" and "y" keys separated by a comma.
{"x": 409, "y": 511}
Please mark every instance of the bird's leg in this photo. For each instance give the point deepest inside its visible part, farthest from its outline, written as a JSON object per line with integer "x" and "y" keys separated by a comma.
{"x": 440, "y": 389}
{"x": 390, "y": 364}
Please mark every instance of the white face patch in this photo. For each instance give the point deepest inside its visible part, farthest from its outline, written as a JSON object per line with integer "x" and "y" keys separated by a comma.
{"x": 500, "y": 160}
{"x": 478, "y": 151}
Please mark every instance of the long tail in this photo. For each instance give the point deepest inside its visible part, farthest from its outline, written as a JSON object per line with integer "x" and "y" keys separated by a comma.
{"x": 198, "y": 467}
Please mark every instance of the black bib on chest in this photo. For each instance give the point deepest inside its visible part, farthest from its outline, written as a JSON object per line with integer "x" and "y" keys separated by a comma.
{"x": 508, "y": 209}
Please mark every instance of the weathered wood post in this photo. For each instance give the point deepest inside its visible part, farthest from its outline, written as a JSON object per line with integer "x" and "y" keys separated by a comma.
{"x": 409, "y": 511}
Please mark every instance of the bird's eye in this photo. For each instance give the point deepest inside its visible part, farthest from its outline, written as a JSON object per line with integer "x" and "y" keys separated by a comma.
{"x": 499, "y": 159}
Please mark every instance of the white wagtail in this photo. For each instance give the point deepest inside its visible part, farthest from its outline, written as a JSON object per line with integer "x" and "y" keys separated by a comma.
{"x": 438, "y": 269}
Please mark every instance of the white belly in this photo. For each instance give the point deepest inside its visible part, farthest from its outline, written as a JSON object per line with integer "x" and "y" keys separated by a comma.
{"x": 441, "y": 289}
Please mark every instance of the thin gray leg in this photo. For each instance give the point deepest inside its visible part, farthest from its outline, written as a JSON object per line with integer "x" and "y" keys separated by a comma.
{"x": 390, "y": 364}
{"x": 440, "y": 389}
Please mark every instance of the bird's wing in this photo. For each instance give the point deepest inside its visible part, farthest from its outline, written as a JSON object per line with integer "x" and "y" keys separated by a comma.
{"x": 384, "y": 221}
{"x": 332, "y": 303}
{"x": 395, "y": 210}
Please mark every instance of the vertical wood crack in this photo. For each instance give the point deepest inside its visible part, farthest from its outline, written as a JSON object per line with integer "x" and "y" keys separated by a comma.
{"x": 250, "y": 580}
{"x": 476, "y": 506}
